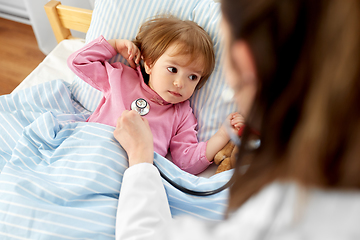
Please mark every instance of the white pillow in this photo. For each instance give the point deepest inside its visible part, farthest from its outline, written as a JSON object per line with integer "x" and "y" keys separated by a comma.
{"x": 122, "y": 19}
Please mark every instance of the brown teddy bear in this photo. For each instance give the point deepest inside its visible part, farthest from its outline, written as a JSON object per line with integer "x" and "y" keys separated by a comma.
{"x": 226, "y": 157}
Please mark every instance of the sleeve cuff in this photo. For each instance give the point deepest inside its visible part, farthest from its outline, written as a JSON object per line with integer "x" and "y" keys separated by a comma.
{"x": 140, "y": 168}
{"x": 107, "y": 45}
{"x": 203, "y": 157}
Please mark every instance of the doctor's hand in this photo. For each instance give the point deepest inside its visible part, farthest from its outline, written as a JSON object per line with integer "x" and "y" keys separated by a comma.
{"x": 134, "y": 134}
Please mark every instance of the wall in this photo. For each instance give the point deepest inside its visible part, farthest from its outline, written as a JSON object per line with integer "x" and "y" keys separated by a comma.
{"x": 32, "y": 12}
{"x": 41, "y": 26}
{"x": 14, "y": 10}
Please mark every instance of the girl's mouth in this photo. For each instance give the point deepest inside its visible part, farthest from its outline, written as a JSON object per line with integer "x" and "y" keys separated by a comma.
{"x": 175, "y": 94}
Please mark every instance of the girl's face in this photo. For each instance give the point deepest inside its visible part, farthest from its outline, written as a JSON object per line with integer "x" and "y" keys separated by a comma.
{"x": 240, "y": 71}
{"x": 173, "y": 77}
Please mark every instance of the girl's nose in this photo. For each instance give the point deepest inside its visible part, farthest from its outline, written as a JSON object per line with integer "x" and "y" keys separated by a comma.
{"x": 178, "y": 83}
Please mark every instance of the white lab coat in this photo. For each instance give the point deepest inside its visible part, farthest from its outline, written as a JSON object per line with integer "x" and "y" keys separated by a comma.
{"x": 279, "y": 211}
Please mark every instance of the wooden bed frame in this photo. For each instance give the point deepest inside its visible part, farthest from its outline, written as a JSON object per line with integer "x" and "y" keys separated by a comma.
{"x": 63, "y": 18}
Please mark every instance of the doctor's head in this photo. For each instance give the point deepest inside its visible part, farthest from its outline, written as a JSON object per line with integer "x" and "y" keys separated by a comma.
{"x": 178, "y": 56}
{"x": 295, "y": 69}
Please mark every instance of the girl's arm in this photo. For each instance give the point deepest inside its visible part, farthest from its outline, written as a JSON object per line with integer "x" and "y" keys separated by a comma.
{"x": 221, "y": 137}
{"x": 187, "y": 152}
{"x": 89, "y": 63}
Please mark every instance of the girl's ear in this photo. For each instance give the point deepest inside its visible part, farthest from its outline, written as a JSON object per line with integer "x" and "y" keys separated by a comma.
{"x": 147, "y": 68}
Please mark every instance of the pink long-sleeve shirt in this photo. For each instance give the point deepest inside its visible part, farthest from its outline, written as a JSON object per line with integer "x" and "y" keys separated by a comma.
{"x": 172, "y": 125}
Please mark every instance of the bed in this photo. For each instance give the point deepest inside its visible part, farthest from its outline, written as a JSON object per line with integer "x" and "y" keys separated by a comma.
{"x": 59, "y": 175}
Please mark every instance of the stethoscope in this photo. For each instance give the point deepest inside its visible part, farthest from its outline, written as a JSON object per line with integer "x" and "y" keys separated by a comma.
{"x": 141, "y": 106}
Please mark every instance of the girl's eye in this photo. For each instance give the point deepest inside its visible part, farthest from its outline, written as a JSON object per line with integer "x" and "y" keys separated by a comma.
{"x": 172, "y": 69}
{"x": 193, "y": 77}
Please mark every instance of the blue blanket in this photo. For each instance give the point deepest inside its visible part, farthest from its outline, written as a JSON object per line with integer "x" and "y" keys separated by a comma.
{"x": 60, "y": 176}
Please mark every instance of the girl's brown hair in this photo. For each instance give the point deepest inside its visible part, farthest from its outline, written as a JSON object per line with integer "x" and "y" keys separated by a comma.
{"x": 307, "y": 106}
{"x": 156, "y": 35}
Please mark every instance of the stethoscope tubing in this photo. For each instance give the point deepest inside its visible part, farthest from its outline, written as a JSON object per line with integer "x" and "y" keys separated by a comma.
{"x": 193, "y": 192}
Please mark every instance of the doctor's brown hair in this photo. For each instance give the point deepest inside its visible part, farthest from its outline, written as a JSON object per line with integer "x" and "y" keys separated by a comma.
{"x": 155, "y": 36}
{"x": 306, "y": 54}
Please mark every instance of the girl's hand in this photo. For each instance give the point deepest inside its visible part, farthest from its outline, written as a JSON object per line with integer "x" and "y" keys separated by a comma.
{"x": 134, "y": 134}
{"x": 232, "y": 125}
{"x": 127, "y": 49}
{"x": 236, "y": 121}
{"x": 228, "y": 130}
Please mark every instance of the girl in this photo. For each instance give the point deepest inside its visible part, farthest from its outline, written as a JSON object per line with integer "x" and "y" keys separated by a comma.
{"x": 178, "y": 58}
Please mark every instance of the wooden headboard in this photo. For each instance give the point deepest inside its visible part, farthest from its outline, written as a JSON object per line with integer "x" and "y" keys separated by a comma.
{"x": 63, "y": 18}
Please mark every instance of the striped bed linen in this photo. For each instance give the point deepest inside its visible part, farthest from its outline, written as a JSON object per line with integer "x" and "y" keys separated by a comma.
{"x": 60, "y": 176}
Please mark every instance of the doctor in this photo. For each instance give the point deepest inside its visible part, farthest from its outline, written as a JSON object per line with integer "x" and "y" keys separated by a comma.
{"x": 295, "y": 69}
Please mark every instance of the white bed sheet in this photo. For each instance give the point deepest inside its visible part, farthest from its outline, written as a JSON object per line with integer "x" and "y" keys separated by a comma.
{"x": 54, "y": 65}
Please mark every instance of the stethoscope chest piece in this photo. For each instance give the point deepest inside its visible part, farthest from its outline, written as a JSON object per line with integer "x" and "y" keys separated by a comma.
{"x": 141, "y": 106}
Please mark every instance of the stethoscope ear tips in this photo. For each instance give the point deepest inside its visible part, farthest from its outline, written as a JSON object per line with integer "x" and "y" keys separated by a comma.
{"x": 141, "y": 106}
